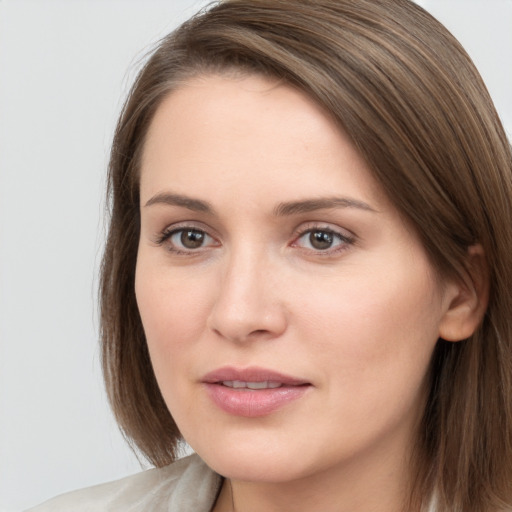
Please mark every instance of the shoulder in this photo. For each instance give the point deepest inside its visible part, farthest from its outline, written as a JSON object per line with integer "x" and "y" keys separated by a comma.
{"x": 187, "y": 484}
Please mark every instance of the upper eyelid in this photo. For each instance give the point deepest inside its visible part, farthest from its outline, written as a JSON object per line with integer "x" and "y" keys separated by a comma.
{"x": 171, "y": 230}
{"x": 163, "y": 235}
{"x": 196, "y": 225}
{"x": 304, "y": 228}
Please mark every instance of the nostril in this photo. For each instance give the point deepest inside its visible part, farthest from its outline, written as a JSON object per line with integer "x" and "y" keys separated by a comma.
{"x": 258, "y": 332}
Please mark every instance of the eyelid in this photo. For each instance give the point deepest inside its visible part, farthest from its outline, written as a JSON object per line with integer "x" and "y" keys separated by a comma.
{"x": 163, "y": 237}
{"x": 347, "y": 237}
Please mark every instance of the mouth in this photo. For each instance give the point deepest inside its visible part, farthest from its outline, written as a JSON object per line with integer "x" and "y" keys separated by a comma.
{"x": 252, "y": 392}
{"x": 251, "y": 378}
{"x": 240, "y": 384}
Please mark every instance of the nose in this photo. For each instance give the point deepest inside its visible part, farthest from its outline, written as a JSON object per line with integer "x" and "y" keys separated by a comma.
{"x": 248, "y": 304}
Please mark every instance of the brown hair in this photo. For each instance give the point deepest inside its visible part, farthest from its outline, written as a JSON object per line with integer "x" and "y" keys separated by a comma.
{"x": 409, "y": 97}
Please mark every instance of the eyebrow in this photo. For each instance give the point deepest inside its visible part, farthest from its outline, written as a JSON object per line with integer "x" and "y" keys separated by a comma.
{"x": 309, "y": 205}
{"x": 281, "y": 210}
{"x": 170, "y": 199}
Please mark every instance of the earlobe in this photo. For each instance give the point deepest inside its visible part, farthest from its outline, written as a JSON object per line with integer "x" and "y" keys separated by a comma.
{"x": 468, "y": 299}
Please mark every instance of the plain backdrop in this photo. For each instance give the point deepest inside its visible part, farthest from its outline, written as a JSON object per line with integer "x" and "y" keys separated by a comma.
{"x": 65, "y": 67}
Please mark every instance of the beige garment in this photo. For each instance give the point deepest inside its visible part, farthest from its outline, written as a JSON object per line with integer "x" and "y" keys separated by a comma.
{"x": 188, "y": 485}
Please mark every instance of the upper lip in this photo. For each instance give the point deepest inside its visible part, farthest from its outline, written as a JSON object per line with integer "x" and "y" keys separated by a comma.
{"x": 251, "y": 374}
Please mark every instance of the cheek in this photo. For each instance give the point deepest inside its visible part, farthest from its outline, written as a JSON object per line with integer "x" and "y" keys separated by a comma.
{"x": 370, "y": 342}
{"x": 374, "y": 330}
{"x": 173, "y": 313}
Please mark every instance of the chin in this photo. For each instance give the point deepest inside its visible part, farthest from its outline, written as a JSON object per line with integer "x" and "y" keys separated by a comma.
{"x": 250, "y": 460}
{"x": 262, "y": 459}
{"x": 252, "y": 468}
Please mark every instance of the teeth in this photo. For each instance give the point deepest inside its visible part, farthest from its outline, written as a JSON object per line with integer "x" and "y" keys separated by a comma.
{"x": 237, "y": 384}
{"x": 258, "y": 385}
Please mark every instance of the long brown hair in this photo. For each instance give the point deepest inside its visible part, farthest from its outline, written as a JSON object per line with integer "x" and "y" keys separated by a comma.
{"x": 409, "y": 97}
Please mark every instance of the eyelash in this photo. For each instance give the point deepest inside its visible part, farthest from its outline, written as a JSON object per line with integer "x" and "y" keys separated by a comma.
{"x": 167, "y": 235}
{"x": 344, "y": 241}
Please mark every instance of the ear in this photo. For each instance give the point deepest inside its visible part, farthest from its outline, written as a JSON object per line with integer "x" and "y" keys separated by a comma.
{"x": 467, "y": 299}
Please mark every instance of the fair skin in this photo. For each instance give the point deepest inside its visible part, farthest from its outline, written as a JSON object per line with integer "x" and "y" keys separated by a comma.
{"x": 266, "y": 243}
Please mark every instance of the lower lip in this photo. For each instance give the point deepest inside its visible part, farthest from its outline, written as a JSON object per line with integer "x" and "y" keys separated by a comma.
{"x": 252, "y": 403}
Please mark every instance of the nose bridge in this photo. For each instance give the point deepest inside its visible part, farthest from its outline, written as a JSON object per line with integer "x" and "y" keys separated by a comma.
{"x": 247, "y": 304}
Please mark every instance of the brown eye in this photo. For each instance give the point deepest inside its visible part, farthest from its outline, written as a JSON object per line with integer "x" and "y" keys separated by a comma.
{"x": 321, "y": 240}
{"x": 192, "y": 239}
{"x": 187, "y": 240}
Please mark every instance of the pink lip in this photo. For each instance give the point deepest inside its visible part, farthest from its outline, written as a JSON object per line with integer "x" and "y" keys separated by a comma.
{"x": 248, "y": 402}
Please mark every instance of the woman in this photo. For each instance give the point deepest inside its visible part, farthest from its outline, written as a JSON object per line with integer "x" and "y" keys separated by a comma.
{"x": 308, "y": 269}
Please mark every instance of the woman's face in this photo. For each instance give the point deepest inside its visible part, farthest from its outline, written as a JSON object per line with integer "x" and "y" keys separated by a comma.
{"x": 290, "y": 313}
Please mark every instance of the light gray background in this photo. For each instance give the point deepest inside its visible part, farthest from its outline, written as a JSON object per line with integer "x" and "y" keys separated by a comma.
{"x": 64, "y": 68}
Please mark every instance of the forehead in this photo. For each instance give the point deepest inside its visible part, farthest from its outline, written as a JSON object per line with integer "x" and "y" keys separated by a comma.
{"x": 249, "y": 133}
{"x": 243, "y": 109}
